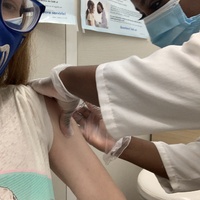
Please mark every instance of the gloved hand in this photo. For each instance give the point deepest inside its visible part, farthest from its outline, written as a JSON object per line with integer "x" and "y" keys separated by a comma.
{"x": 65, "y": 117}
{"x": 94, "y": 131}
{"x": 53, "y": 87}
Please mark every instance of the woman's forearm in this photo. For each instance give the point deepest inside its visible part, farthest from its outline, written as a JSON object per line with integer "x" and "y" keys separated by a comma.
{"x": 81, "y": 82}
{"x": 144, "y": 154}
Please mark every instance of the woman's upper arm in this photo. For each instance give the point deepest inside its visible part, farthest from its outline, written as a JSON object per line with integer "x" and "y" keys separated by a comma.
{"x": 76, "y": 165}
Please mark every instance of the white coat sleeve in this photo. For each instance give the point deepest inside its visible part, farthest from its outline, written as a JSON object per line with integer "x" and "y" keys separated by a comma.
{"x": 182, "y": 166}
{"x": 158, "y": 93}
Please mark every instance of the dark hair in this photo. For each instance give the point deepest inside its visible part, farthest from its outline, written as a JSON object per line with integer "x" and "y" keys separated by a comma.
{"x": 101, "y": 5}
{"x": 89, "y": 5}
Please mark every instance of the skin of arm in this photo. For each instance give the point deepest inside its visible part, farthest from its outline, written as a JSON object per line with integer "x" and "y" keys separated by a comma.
{"x": 76, "y": 165}
{"x": 81, "y": 82}
{"x": 144, "y": 154}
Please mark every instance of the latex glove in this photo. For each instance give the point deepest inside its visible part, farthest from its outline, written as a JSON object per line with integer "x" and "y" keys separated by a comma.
{"x": 94, "y": 131}
{"x": 53, "y": 87}
{"x": 93, "y": 128}
{"x": 65, "y": 117}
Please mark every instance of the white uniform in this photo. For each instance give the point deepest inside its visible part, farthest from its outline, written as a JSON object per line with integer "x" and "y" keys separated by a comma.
{"x": 155, "y": 94}
{"x": 26, "y": 138}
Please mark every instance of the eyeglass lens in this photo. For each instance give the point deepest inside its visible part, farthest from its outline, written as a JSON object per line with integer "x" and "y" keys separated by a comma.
{"x": 19, "y": 14}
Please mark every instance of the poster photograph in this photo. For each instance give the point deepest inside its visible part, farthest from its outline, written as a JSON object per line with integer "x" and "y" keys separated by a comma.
{"x": 112, "y": 16}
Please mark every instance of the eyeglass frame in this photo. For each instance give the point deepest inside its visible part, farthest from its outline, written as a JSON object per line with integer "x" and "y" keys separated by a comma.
{"x": 42, "y": 8}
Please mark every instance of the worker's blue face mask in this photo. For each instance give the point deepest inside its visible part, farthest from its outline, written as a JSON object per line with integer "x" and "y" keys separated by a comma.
{"x": 16, "y": 18}
{"x": 170, "y": 26}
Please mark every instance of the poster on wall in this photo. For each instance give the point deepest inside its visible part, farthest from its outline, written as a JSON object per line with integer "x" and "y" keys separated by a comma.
{"x": 112, "y": 16}
{"x": 59, "y": 12}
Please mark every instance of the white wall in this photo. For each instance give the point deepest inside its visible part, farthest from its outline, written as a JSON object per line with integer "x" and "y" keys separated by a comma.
{"x": 49, "y": 48}
{"x": 55, "y": 44}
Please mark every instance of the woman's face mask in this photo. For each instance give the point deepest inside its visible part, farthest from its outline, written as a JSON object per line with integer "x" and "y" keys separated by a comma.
{"x": 17, "y": 17}
{"x": 170, "y": 26}
{"x": 9, "y": 43}
{"x": 9, "y": 39}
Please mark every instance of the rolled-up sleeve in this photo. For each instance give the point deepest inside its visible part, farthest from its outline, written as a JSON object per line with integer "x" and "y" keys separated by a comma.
{"x": 151, "y": 95}
{"x": 182, "y": 164}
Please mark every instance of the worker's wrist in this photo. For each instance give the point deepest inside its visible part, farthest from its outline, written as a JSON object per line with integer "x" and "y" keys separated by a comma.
{"x": 110, "y": 143}
{"x": 117, "y": 149}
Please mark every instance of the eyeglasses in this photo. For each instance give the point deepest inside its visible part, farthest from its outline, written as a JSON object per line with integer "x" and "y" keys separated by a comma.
{"x": 21, "y": 15}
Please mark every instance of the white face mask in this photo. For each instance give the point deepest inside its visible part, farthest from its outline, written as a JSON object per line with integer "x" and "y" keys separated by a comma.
{"x": 16, "y": 20}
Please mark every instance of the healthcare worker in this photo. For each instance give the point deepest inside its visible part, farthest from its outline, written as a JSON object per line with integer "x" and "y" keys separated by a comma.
{"x": 31, "y": 142}
{"x": 145, "y": 96}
